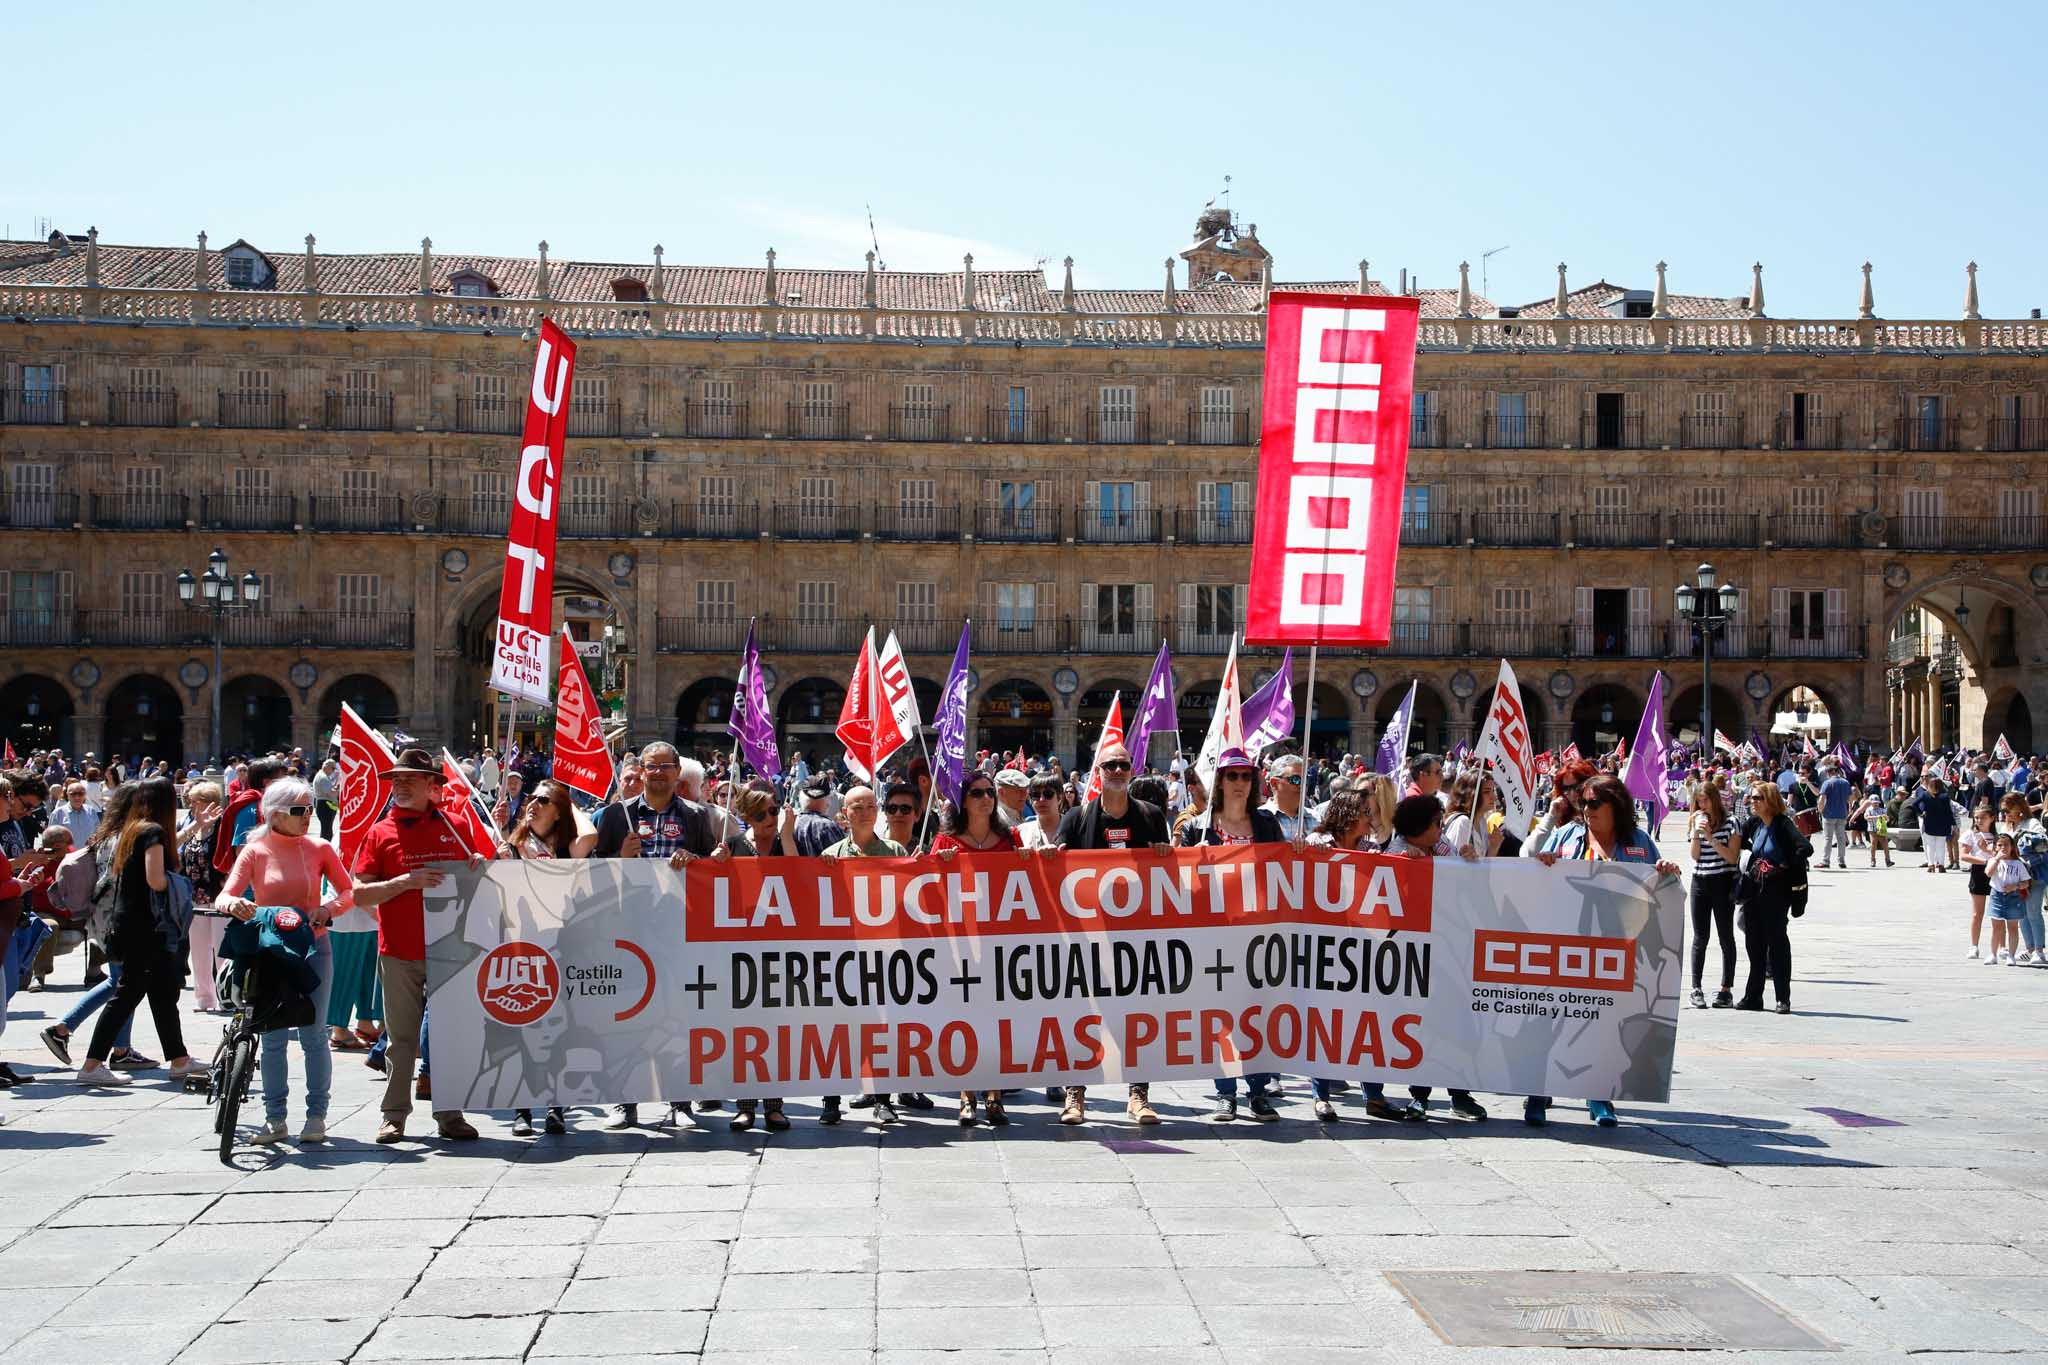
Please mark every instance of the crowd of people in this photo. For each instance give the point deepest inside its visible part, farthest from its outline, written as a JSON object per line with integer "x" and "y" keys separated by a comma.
{"x": 102, "y": 857}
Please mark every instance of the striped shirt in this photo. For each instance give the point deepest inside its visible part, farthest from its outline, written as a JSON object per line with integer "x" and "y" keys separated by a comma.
{"x": 1710, "y": 863}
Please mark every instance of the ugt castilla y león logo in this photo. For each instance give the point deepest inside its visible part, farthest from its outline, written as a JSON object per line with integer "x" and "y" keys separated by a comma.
{"x": 517, "y": 983}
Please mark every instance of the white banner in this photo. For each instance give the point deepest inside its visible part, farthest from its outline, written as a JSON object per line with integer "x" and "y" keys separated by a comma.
{"x": 560, "y": 982}
{"x": 1508, "y": 753}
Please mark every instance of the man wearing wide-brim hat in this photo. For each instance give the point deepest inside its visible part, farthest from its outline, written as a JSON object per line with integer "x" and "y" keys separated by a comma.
{"x": 391, "y": 870}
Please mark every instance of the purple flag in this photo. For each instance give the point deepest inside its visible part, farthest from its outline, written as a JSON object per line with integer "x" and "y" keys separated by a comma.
{"x": 951, "y": 763}
{"x": 1269, "y": 712}
{"x": 1648, "y": 769}
{"x": 1394, "y": 743}
{"x": 1916, "y": 754}
{"x": 749, "y": 722}
{"x": 1846, "y": 759}
{"x": 1156, "y": 712}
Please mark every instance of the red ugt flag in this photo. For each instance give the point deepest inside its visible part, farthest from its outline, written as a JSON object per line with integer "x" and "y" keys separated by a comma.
{"x": 459, "y": 804}
{"x": 526, "y": 603}
{"x": 582, "y": 759}
{"x": 867, "y": 726}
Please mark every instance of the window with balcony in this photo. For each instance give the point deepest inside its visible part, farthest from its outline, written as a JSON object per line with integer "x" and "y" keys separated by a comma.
{"x": 917, "y": 506}
{"x": 1611, "y": 622}
{"x": 1611, "y": 505}
{"x": 1415, "y": 512}
{"x": 1115, "y": 615}
{"x": 1217, "y": 609}
{"x": 918, "y": 418}
{"x": 818, "y": 414}
{"x": 590, "y": 406}
{"x": 717, "y": 600}
{"x": 358, "y": 595}
{"x": 1016, "y": 606}
{"x": 359, "y": 488}
{"x": 491, "y": 403}
{"x": 142, "y": 494}
{"x": 31, "y": 494}
{"x": 1216, "y": 420}
{"x": 40, "y": 399}
{"x": 1117, "y": 414}
{"x": 142, "y": 596}
{"x": 1117, "y": 510}
{"x": 2019, "y": 517}
{"x": 1511, "y": 430}
{"x": 490, "y": 501}
{"x": 1412, "y": 616}
{"x": 1017, "y": 506}
{"x": 817, "y": 601}
{"x": 1808, "y": 621}
{"x": 586, "y": 509}
{"x": 1223, "y": 511}
{"x": 1920, "y": 517}
{"x": 35, "y": 608}
{"x": 1514, "y": 607}
{"x": 917, "y": 601}
{"x": 1928, "y": 412}
{"x": 817, "y": 505}
{"x": 1711, "y": 424}
{"x": 717, "y": 503}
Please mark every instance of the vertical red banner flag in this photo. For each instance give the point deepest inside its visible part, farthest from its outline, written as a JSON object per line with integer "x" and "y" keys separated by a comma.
{"x": 364, "y": 754}
{"x": 1333, "y": 459}
{"x": 526, "y": 602}
{"x": 463, "y": 810}
{"x": 582, "y": 759}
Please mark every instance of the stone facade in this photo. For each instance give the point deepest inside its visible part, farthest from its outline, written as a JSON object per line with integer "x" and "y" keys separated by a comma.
{"x": 1071, "y": 469}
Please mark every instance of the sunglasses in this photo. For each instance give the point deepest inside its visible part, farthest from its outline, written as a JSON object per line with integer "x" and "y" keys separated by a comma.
{"x": 980, "y": 793}
{"x": 298, "y": 810}
{"x": 1045, "y": 796}
{"x": 1235, "y": 775}
{"x": 895, "y": 809}
{"x": 1292, "y": 781}
{"x": 1115, "y": 765}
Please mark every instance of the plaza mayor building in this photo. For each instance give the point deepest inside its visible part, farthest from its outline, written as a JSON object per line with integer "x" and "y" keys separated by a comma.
{"x": 1071, "y": 468}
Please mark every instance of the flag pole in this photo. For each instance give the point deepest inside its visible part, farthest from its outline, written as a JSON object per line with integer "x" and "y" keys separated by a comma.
{"x": 1308, "y": 710}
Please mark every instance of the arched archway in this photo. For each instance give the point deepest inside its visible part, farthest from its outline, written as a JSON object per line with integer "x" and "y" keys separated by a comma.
{"x": 703, "y": 710}
{"x": 477, "y": 714}
{"x": 145, "y": 720}
{"x": 1015, "y": 713}
{"x": 368, "y": 695}
{"x": 1954, "y": 642}
{"x": 36, "y": 713}
{"x": 2011, "y": 717}
{"x": 255, "y": 716}
{"x": 1428, "y": 728}
{"x": 1330, "y": 729}
{"x": 805, "y": 717}
{"x": 1091, "y": 708}
{"x": 1604, "y": 716}
{"x": 1803, "y": 711}
{"x": 1682, "y": 716}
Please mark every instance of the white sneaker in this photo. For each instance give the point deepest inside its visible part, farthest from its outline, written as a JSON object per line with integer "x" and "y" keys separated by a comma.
{"x": 1991, "y": 959}
{"x": 99, "y": 1073}
{"x": 268, "y": 1134}
{"x": 1974, "y": 954}
{"x": 314, "y": 1131}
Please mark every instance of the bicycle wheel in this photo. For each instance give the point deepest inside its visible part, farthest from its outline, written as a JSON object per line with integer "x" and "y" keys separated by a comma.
{"x": 240, "y": 1065}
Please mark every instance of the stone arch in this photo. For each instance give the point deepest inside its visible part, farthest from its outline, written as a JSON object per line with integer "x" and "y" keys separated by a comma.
{"x": 469, "y": 618}
{"x": 1330, "y": 734}
{"x": 805, "y": 715}
{"x": 373, "y": 697}
{"x": 38, "y": 712}
{"x": 2010, "y": 714}
{"x": 483, "y": 588}
{"x": 1603, "y": 714}
{"x": 1013, "y": 712}
{"x": 701, "y": 713}
{"x": 255, "y": 715}
{"x": 1091, "y": 708}
{"x": 145, "y": 719}
{"x": 1682, "y": 713}
{"x": 1831, "y": 698}
{"x": 1429, "y": 731}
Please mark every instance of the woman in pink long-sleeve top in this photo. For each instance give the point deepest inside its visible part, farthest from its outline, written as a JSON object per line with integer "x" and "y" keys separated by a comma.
{"x": 284, "y": 865}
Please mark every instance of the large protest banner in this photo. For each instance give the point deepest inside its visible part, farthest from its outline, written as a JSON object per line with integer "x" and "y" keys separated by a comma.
{"x": 580, "y": 982}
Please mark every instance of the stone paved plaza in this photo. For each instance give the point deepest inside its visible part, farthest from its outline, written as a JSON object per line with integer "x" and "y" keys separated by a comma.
{"x": 126, "y": 1241}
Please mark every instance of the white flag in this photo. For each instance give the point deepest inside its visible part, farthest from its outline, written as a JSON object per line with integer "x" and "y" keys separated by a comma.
{"x": 1724, "y": 744}
{"x": 1505, "y": 750}
{"x": 892, "y": 675}
{"x": 1226, "y": 728}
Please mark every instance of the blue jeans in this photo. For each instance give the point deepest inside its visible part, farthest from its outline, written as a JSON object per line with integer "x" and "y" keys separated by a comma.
{"x": 277, "y": 1091}
{"x": 90, "y": 1003}
{"x": 2030, "y": 924}
{"x": 1255, "y": 1082}
{"x": 383, "y": 1043}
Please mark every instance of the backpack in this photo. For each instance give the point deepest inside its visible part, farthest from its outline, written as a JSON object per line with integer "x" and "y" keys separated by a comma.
{"x": 105, "y": 898}
{"x": 2034, "y": 853}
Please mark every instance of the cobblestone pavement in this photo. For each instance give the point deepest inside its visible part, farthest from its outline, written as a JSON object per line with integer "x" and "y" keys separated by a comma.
{"x": 123, "y": 1239}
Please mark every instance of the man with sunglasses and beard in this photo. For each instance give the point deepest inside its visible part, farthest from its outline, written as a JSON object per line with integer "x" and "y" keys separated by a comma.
{"x": 1118, "y": 820}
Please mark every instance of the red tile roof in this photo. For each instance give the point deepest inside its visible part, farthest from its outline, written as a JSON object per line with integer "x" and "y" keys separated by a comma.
{"x": 1595, "y": 300}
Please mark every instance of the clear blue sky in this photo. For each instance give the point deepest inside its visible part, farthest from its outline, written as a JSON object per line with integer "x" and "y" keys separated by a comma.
{"x": 1810, "y": 136}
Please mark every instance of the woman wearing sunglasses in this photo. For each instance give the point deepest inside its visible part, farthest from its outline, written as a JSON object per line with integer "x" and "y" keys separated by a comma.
{"x": 1604, "y": 832}
{"x": 977, "y": 826}
{"x": 1235, "y": 817}
{"x": 285, "y": 865}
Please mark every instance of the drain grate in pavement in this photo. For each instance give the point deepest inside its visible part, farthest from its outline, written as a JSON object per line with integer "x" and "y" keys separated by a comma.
{"x": 1591, "y": 1308}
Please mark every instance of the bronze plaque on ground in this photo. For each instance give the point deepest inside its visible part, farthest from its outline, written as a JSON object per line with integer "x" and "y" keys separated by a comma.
{"x": 1597, "y": 1308}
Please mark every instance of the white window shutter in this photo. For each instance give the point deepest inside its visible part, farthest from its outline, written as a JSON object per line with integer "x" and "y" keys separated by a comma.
{"x": 66, "y": 584}
{"x": 1836, "y": 627}
{"x": 1582, "y": 620}
{"x": 1147, "y": 623}
{"x": 1737, "y": 630}
{"x": 991, "y": 491}
{"x": 1242, "y": 493}
{"x": 1781, "y": 618}
{"x": 1639, "y": 621}
{"x": 1088, "y": 616}
{"x": 6, "y": 596}
{"x": 1205, "y": 498}
{"x": 1091, "y": 499}
{"x": 1186, "y": 593}
{"x": 1142, "y": 497}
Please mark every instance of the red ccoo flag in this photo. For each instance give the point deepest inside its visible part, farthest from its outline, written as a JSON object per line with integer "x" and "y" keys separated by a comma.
{"x": 1112, "y": 733}
{"x": 867, "y": 726}
{"x": 582, "y": 759}
{"x": 364, "y": 795}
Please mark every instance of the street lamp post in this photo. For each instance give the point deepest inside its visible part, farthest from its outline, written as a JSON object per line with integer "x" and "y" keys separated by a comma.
{"x": 217, "y": 587}
{"x": 1710, "y": 611}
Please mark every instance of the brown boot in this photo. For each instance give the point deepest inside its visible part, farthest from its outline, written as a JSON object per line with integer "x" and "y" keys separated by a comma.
{"x": 455, "y": 1128}
{"x": 1139, "y": 1106}
{"x": 1075, "y": 1110}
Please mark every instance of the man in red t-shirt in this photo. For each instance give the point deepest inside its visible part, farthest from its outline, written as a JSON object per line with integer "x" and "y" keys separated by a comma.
{"x": 391, "y": 870}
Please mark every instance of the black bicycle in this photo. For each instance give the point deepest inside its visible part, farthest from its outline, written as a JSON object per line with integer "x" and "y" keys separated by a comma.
{"x": 261, "y": 1001}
